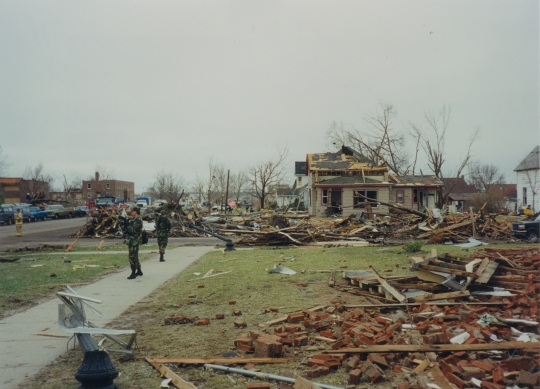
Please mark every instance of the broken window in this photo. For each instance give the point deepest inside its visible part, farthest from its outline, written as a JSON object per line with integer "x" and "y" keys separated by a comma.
{"x": 399, "y": 196}
{"x": 525, "y": 196}
{"x": 89, "y": 195}
{"x": 360, "y": 202}
{"x": 108, "y": 186}
{"x": 324, "y": 199}
{"x": 415, "y": 196}
{"x": 89, "y": 186}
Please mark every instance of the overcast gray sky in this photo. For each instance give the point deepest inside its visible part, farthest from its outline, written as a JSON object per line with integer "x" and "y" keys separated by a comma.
{"x": 140, "y": 86}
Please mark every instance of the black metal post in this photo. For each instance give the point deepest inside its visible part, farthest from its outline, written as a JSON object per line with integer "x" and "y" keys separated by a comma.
{"x": 229, "y": 245}
{"x": 96, "y": 371}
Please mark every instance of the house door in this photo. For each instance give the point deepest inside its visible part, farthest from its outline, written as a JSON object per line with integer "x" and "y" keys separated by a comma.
{"x": 336, "y": 202}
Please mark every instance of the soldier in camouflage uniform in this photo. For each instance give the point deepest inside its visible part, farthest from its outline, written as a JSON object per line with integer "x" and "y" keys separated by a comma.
{"x": 163, "y": 227}
{"x": 133, "y": 239}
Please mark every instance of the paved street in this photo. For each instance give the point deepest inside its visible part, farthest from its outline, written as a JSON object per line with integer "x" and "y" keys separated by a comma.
{"x": 57, "y": 231}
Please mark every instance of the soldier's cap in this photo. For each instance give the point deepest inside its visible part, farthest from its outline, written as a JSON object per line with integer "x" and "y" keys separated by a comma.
{"x": 136, "y": 209}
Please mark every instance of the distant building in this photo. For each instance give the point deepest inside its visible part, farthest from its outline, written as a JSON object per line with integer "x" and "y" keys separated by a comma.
{"x": 459, "y": 193}
{"x": 19, "y": 190}
{"x": 94, "y": 189}
{"x": 528, "y": 181}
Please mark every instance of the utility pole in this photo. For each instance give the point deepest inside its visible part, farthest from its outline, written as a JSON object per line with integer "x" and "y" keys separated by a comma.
{"x": 227, "y": 190}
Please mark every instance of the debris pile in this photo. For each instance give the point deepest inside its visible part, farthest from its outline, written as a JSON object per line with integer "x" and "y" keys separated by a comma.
{"x": 269, "y": 228}
{"x": 486, "y": 334}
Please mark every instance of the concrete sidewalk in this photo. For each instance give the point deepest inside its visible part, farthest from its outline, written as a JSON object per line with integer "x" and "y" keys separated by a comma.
{"x": 24, "y": 354}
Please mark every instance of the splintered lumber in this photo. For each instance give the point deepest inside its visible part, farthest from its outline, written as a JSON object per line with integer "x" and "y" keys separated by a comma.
{"x": 221, "y": 361}
{"x": 447, "y": 270}
{"x": 168, "y": 373}
{"x": 439, "y": 230}
{"x": 441, "y": 296}
{"x": 487, "y": 273}
{"x": 424, "y": 348}
{"x": 332, "y": 280}
{"x": 439, "y": 378}
{"x": 393, "y": 291}
{"x": 441, "y": 304}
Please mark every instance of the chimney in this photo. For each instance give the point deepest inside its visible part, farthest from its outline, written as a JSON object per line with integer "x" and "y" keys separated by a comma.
{"x": 97, "y": 176}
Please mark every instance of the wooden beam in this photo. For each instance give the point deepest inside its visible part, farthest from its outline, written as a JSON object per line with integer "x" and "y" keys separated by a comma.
{"x": 416, "y": 304}
{"x": 441, "y": 296}
{"x": 393, "y": 291}
{"x": 220, "y": 361}
{"x": 439, "y": 378}
{"x": 423, "y": 348}
{"x": 168, "y": 373}
{"x": 447, "y": 270}
{"x": 439, "y": 230}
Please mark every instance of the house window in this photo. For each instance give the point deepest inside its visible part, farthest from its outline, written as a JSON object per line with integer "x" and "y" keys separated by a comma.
{"x": 360, "y": 202}
{"x": 89, "y": 195}
{"x": 415, "y": 196}
{"x": 299, "y": 181}
{"x": 107, "y": 194}
{"x": 89, "y": 186}
{"x": 399, "y": 196}
{"x": 525, "y": 196}
{"x": 108, "y": 186}
{"x": 324, "y": 200}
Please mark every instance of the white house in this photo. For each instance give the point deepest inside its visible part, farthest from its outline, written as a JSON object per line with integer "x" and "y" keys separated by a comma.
{"x": 528, "y": 181}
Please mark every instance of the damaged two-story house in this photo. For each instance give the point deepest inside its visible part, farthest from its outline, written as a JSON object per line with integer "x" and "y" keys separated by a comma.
{"x": 347, "y": 182}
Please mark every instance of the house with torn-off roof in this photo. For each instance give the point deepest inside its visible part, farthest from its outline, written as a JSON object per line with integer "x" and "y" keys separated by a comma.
{"x": 347, "y": 182}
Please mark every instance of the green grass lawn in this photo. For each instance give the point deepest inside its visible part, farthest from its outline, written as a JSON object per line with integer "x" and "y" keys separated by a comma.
{"x": 39, "y": 275}
{"x": 254, "y": 290}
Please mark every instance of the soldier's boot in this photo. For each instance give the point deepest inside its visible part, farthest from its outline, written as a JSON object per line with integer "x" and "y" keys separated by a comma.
{"x": 133, "y": 272}
{"x": 161, "y": 259}
{"x": 139, "y": 271}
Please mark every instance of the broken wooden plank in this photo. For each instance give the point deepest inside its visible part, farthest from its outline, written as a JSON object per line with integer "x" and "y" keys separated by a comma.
{"x": 417, "y": 304}
{"x": 422, "y": 348}
{"x": 51, "y": 335}
{"x": 168, "y": 373}
{"x": 332, "y": 280}
{"x": 439, "y": 230}
{"x": 447, "y": 270}
{"x": 487, "y": 273}
{"x": 221, "y": 361}
{"x": 441, "y": 296}
{"x": 421, "y": 367}
{"x": 393, "y": 291}
{"x": 211, "y": 275}
{"x": 439, "y": 379}
{"x": 302, "y": 383}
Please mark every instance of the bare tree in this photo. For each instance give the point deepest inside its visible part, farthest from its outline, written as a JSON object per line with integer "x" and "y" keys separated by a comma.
{"x": 485, "y": 176}
{"x": 238, "y": 183}
{"x": 378, "y": 141}
{"x": 38, "y": 183}
{"x": 207, "y": 187}
{"x": 167, "y": 186}
{"x": 433, "y": 143}
{"x": 268, "y": 174}
{"x": 3, "y": 161}
{"x": 69, "y": 184}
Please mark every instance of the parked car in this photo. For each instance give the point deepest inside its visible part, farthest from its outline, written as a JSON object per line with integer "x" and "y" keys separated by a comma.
{"x": 6, "y": 216}
{"x": 81, "y": 211}
{"x": 27, "y": 214}
{"x": 56, "y": 211}
{"x": 38, "y": 213}
{"x": 527, "y": 229}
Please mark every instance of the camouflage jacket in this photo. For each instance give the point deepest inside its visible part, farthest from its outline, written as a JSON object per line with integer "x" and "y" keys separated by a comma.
{"x": 163, "y": 226}
{"x": 134, "y": 231}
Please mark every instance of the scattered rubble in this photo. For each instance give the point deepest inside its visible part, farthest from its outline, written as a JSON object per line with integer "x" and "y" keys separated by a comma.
{"x": 270, "y": 228}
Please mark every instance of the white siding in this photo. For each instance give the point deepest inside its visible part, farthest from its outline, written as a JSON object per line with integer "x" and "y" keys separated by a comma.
{"x": 529, "y": 179}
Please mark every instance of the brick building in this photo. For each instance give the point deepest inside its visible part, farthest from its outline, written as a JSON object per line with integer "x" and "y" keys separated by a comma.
{"x": 93, "y": 189}
{"x": 19, "y": 190}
